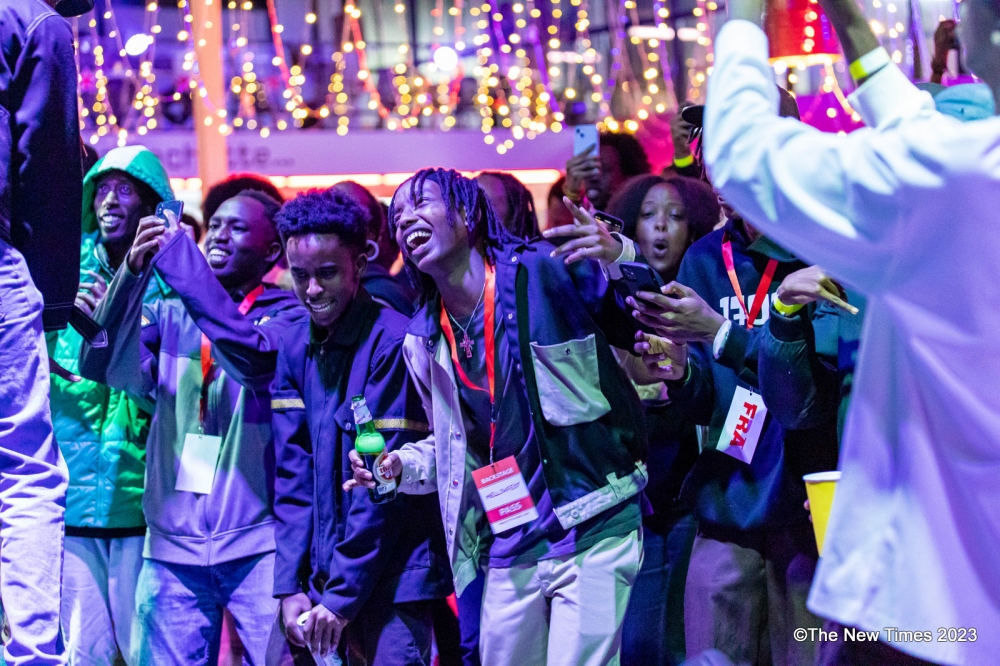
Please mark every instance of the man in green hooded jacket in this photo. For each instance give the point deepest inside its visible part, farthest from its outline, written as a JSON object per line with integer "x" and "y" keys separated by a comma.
{"x": 101, "y": 431}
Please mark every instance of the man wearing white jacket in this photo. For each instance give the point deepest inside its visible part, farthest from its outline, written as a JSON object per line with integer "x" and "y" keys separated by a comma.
{"x": 906, "y": 211}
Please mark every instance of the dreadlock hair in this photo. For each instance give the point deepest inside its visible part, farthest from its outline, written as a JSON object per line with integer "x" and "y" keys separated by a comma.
{"x": 466, "y": 203}
{"x": 523, "y": 222}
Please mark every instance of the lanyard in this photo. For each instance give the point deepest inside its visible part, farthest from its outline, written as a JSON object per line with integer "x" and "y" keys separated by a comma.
{"x": 765, "y": 282}
{"x": 207, "y": 362}
{"x": 489, "y": 314}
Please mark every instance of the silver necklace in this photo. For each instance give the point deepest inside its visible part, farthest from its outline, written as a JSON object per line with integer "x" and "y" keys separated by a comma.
{"x": 467, "y": 342}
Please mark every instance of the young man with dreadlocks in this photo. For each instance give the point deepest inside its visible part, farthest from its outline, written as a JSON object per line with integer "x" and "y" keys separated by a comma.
{"x": 537, "y": 435}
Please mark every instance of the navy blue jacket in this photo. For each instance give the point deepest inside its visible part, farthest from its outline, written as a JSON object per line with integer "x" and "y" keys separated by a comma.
{"x": 41, "y": 168}
{"x": 395, "y": 291}
{"x": 722, "y": 491}
{"x": 338, "y": 547}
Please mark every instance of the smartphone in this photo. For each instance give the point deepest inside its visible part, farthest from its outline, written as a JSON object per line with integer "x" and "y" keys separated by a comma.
{"x": 614, "y": 224}
{"x": 585, "y": 136}
{"x": 640, "y": 277}
{"x": 175, "y": 206}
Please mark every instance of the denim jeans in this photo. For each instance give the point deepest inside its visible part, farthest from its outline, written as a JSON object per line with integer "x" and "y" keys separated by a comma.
{"x": 653, "y": 632}
{"x": 33, "y": 476}
{"x": 98, "y": 603}
{"x": 180, "y": 610}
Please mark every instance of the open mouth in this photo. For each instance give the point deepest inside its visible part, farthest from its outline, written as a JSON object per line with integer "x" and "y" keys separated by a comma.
{"x": 661, "y": 247}
{"x": 416, "y": 239}
{"x": 217, "y": 255}
{"x": 111, "y": 220}
{"x": 321, "y": 307}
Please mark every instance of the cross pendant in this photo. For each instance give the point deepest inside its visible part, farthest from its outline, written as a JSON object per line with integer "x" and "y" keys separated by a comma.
{"x": 466, "y": 344}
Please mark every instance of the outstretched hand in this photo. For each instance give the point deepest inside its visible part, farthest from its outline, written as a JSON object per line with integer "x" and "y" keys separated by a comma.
{"x": 812, "y": 284}
{"x": 591, "y": 238}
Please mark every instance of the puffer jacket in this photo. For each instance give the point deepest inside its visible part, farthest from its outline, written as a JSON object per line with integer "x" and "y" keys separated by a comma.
{"x": 101, "y": 431}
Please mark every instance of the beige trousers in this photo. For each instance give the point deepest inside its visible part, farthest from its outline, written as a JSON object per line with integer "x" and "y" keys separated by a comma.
{"x": 561, "y": 612}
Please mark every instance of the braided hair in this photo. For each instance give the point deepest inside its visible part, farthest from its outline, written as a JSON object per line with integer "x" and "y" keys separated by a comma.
{"x": 466, "y": 203}
{"x": 523, "y": 222}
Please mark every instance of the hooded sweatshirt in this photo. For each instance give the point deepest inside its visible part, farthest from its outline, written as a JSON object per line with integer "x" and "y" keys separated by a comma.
{"x": 101, "y": 431}
{"x": 154, "y": 352}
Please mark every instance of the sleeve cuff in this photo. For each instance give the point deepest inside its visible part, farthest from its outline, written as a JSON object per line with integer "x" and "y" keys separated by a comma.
{"x": 888, "y": 96}
{"x": 734, "y": 351}
{"x": 614, "y": 272}
{"x": 719, "y": 343}
{"x": 787, "y": 328}
{"x": 415, "y": 477}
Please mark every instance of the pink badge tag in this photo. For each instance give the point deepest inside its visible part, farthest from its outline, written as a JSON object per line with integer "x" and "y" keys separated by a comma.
{"x": 505, "y": 495}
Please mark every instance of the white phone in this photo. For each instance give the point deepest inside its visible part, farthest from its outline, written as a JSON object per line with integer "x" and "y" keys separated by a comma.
{"x": 585, "y": 136}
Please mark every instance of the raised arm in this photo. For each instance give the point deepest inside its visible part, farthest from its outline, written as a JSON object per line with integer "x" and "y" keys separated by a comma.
{"x": 835, "y": 200}
{"x": 248, "y": 353}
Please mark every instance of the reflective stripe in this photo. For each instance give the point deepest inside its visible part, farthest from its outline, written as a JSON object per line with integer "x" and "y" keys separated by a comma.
{"x": 290, "y": 403}
{"x": 401, "y": 424}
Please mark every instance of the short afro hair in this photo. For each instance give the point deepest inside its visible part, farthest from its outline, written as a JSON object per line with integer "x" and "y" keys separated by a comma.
{"x": 270, "y": 204}
{"x": 328, "y": 211}
{"x": 233, "y": 185}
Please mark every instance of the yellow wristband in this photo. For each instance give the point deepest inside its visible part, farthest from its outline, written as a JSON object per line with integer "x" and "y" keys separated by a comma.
{"x": 869, "y": 64}
{"x": 786, "y": 310}
{"x": 682, "y": 162}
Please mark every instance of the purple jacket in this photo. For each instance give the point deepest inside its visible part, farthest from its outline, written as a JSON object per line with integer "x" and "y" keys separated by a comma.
{"x": 41, "y": 172}
{"x": 154, "y": 353}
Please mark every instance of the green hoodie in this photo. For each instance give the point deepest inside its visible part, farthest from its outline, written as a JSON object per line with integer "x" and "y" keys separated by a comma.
{"x": 102, "y": 432}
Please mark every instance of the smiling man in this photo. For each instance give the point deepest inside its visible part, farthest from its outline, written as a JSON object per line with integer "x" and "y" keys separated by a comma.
{"x": 101, "y": 431}
{"x": 373, "y": 568}
{"x": 202, "y": 359}
{"x": 529, "y": 407}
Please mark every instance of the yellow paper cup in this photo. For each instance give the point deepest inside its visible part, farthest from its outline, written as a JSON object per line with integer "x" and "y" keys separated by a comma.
{"x": 820, "y": 488}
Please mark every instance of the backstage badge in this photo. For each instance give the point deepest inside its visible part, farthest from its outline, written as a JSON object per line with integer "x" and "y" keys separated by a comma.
{"x": 199, "y": 458}
{"x": 505, "y": 495}
{"x": 743, "y": 425}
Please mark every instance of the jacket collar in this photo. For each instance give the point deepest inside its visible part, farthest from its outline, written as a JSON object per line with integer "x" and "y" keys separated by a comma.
{"x": 347, "y": 331}
{"x": 762, "y": 246}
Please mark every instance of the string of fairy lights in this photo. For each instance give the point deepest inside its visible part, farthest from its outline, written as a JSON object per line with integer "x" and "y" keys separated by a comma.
{"x": 531, "y": 62}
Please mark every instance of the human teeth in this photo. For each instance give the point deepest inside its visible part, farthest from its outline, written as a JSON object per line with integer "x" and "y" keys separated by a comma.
{"x": 321, "y": 307}
{"x": 419, "y": 235}
{"x": 217, "y": 254}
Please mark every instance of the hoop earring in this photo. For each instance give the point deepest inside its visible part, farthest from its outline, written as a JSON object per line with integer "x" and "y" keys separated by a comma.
{"x": 372, "y": 250}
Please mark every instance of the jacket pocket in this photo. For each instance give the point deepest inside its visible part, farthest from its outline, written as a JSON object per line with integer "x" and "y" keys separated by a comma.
{"x": 569, "y": 382}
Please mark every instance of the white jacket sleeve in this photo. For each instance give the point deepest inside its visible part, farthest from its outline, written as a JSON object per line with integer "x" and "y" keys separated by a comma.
{"x": 419, "y": 459}
{"x": 843, "y": 202}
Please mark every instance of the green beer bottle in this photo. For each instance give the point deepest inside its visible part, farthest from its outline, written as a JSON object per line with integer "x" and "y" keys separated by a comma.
{"x": 370, "y": 445}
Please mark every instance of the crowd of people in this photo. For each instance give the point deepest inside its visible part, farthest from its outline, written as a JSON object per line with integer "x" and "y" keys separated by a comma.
{"x": 585, "y": 472}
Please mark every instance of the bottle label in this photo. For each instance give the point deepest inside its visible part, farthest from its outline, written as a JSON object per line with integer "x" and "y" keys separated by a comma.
{"x": 361, "y": 413}
{"x": 383, "y": 484}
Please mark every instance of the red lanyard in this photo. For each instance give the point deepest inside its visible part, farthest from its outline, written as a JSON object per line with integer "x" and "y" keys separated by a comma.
{"x": 489, "y": 314}
{"x": 765, "y": 282}
{"x": 206, "y": 354}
